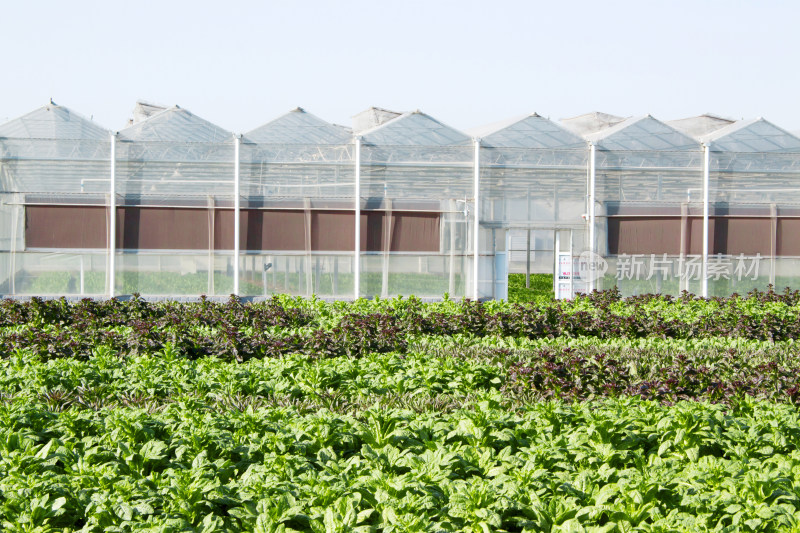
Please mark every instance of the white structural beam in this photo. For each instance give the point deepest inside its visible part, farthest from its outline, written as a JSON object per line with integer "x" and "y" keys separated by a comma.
{"x": 236, "y": 212}
{"x": 592, "y": 221}
{"x": 706, "y": 161}
{"x": 477, "y": 221}
{"x": 357, "y": 199}
{"x": 112, "y": 219}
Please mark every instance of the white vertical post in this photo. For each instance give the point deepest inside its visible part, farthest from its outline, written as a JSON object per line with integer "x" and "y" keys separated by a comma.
{"x": 82, "y": 277}
{"x": 451, "y": 286}
{"x": 557, "y": 254}
{"x": 236, "y": 210}
{"x": 357, "y": 246}
{"x": 706, "y": 161}
{"x": 112, "y": 219}
{"x": 592, "y": 176}
{"x": 211, "y": 221}
{"x": 527, "y": 259}
{"x": 477, "y": 222}
{"x": 18, "y": 211}
{"x": 572, "y": 268}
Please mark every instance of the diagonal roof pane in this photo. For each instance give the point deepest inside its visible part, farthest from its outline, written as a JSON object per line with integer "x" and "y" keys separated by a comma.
{"x": 532, "y": 131}
{"x": 643, "y": 133}
{"x": 757, "y": 135}
{"x": 176, "y": 125}
{"x": 299, "y": 127}
{"x": 53, "y": 121}
{"x": 700, "y": 125}
{"x": 589, "y": 123}
{"x": 415, "y": 129}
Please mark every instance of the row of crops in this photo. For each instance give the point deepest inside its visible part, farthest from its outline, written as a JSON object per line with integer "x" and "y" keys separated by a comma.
{"x": 598, "y": 414}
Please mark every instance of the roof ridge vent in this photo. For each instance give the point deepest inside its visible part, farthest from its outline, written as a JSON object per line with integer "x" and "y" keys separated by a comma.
{"x": 372, "y": 117}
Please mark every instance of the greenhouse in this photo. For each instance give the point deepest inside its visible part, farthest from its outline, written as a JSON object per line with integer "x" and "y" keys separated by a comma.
{"x": 396, "y": 204}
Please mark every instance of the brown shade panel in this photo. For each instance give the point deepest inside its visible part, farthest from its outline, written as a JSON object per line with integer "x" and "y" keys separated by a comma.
{"x": 415, "y": 232}
{"x": 788, "y": 236}
{"x": 640, "y": 235}
{"x": 166, "y": 228}
{"x": 63, "y": 226}
{"x": 333, "y": 231}
{"x": 410, "y": 231}
{"x": 696, "y": 235}
{"x": 162, "y": 228}
{"x": 731, "y": 235}
{"x": 372, "y": 231}
{"x": 261, "y": 229}
{"x": 734, "y": 236}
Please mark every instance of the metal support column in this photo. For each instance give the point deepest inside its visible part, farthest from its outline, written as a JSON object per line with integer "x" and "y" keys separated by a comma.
{"x": 556, "y": 258}
{"x": 773, "y": 242}
{"x": 706, "y": 160}
{"x": 211, "y": 247}
{"x": 387, "y": 246}
{"x": 592, "y": 176}
{"x": 357, "y": 240}
{"x": 451, "y": 286}
{"x": 572, "y": 268}
{"x": 18, "y": 213}
{"x": 684, "y": 249}
{"x": 527, "y": 262}
{"x": 236, "y": 214}
{"x": 112, "y": 219}
{"x": 477, "y": 222}
{"x": 307, "y": 239}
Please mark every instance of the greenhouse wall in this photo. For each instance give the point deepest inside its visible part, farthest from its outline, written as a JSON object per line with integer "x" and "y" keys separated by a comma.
{"x": 64, "y": 255}
{"x": 318, "y": 208}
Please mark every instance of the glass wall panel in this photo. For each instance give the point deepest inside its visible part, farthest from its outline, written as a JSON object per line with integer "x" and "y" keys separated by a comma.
{"x": 755, "y": 203}
{"x": 295, "y": 172}
{"x": 50, "y": 172}
{"x": 534, "y": 189}
{"x": 164, "y": 274}
{"x": 643, "y": 204}
{"x": 162, "y": 172}
{"x": 423, "y": 275}
{"x": 435, "y": 179}
{"x": 523, "y": 186}
{"x": 326, "y": 276}
{"x": 57, "y": 273}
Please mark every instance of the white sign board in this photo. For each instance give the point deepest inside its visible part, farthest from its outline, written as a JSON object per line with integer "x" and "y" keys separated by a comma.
{"x": 566, "y": 264}
{"x": 568, "y": 281}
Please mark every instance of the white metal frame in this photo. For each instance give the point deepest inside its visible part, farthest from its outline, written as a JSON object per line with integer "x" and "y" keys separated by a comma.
{"x": 477, "y": 221}
{"x": 236, "y": 214}
{"x": 112, "y": 219}
{"x": 357, "y": 245}
{"x": 706, "y": 161}
{"x": 592, "y": 179}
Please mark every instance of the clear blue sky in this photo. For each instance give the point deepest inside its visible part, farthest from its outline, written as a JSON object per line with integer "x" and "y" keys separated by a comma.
{"x": 467, "y": 63}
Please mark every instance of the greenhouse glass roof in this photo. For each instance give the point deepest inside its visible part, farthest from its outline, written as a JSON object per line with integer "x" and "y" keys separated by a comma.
{"x": 372, "y": 117}
{"x": 643, "y": 134}
{"x": 176, "y": 125}
{"x": 590, "y": 122}
{"x": 757, "y": 135}
{"x": 299, "y": 127}
{"x": 700, "y": 125}
{"x": 532, "y": 131}
{"x": 53, "y": 121}
{"x": 415, "y": 129}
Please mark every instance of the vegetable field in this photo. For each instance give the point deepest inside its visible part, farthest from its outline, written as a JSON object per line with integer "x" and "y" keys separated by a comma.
{"x": 599, "y": 414}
